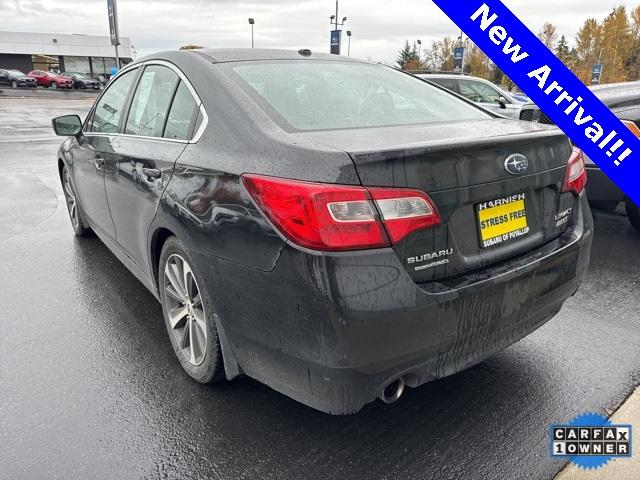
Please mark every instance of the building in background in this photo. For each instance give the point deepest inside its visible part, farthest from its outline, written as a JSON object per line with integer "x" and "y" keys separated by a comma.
{"x": 89, "y": 54}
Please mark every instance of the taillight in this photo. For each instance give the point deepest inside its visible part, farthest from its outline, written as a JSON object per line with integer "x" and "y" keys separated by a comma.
{"x": 633, "y": 127}
{"x": 576, "y": 177}
{"x": 331, "y": 217}
{"x": 404, "y": 211}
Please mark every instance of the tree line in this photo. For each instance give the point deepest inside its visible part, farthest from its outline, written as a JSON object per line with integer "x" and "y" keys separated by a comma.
{"x": 613, "y": 42}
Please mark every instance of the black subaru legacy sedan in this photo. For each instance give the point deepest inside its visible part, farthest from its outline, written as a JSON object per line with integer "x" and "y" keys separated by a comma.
{"x": 333, "y": 228}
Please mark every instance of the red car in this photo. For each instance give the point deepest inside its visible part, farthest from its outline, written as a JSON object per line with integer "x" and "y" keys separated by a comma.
{"x": 50, "y": 79}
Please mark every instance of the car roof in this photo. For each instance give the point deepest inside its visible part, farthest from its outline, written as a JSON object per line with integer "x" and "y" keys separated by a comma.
{"x": 221, "y": 55}
{"x": 449, "y": 75}
{"x": 614, "y": 93}
{"x": 611, "y": 94}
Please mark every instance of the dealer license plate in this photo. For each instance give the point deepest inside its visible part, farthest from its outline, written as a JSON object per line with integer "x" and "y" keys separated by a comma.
{"x": 502, "y": 220}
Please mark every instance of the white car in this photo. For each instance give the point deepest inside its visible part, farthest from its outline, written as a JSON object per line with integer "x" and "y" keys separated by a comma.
{"x": 480, "y": 91}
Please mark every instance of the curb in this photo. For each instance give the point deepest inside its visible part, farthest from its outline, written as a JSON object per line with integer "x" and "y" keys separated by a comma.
{"x": 42, "y": 93}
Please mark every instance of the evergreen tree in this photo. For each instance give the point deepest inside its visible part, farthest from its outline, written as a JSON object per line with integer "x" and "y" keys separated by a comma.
{"x": 408, "y": 56}
{"x": 563, "y": 52}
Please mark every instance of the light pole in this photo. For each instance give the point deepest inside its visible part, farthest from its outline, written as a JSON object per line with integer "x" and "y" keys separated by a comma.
{"x": 419, "y": 53}
{"x": 463, "y": 44}
{"x": 335, "y": 35}
{"x": 112, "y": 11}
{"x": 349, "y": 44}
{"x": 251, "y": 22}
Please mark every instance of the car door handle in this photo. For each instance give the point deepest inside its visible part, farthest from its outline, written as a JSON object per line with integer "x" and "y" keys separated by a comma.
{"x": 152, "y": 173}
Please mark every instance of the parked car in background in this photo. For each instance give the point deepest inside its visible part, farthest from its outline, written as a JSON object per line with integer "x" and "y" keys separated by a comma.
{"x": 624, "y": 101}
{"x": 80, "y": 80}
{"x": 15, "y": 79}
{"x": 51, "y": 79}
{"x": 519, "y": 96}
{"x": 331, "y": 227}
{"x": 102, "y": 79}
{"x": 480, "y": 91}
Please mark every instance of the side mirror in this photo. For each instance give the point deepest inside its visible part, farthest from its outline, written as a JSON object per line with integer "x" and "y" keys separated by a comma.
{"x": 67, "y": 125}
{"x": 502, "y": 102}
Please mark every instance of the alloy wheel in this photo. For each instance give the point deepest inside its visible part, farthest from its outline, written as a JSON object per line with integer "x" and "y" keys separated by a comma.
{"x": 72, "y": 203}
{"x": 185, "y": 309}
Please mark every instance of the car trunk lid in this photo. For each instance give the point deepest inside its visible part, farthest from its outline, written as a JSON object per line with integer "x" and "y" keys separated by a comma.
{"x": 488, "y": 213}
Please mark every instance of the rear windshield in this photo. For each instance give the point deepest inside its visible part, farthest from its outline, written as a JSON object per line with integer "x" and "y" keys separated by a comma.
{"x": 316, "y": 95}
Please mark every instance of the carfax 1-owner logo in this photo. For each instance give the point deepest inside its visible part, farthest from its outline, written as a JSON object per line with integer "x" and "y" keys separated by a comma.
{"x": 590, "y": 441}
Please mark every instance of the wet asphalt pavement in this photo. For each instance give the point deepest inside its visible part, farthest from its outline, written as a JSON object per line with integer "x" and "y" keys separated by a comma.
{"x": 89, "y": 387}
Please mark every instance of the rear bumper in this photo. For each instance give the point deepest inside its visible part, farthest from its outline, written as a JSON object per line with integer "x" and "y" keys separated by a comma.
{"x": 332, "y": 330}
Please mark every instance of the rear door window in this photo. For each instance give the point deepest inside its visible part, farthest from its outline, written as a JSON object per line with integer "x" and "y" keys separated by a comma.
{"x": 479, "y": 91}
{"x": 108, "y": 111}
{"x": 448, "y": 83}
{"x": 150, "y": 106}
{"x": 182, "y": 115}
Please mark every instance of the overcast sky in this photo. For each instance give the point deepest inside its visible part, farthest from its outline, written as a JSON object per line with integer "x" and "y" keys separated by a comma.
{"x": 379, "y": 26}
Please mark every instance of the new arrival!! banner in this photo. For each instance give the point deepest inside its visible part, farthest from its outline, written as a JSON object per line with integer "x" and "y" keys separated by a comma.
{"x": 552, "y": 86}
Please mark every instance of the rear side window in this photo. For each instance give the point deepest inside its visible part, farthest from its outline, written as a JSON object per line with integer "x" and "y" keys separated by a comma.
{"x": 182, "y": 115}
{"x": 108, "y": 111}
{"x": 151, "y": 101}
{"x": 479, "y": 92}
{"x": 448, "y": 83}
{"x": 322, "y": 95}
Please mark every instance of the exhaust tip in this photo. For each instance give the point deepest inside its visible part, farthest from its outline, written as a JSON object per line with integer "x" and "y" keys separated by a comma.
{"x": 393, "y": 391}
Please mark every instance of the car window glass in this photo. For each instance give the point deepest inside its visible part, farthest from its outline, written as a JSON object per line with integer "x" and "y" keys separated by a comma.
{"x": 318, "y": 95}
{"x": 198, "y": 121}
{"x": 182, "y": 114}
{"x": 151, "y": 101}
{"x": 479, "y": 92}
{"x": 448, "y": 83}
{"x": 629, "y": 103}
{"x": 108, "y": 111}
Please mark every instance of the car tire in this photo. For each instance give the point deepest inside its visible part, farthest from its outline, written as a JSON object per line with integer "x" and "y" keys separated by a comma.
{"x": 14, "y": 84}
{"x": 53, "y": 85}
{"x": 76, "y": 215}
{"x": 192, "y": 329}
{"x": 633, "y": 212}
